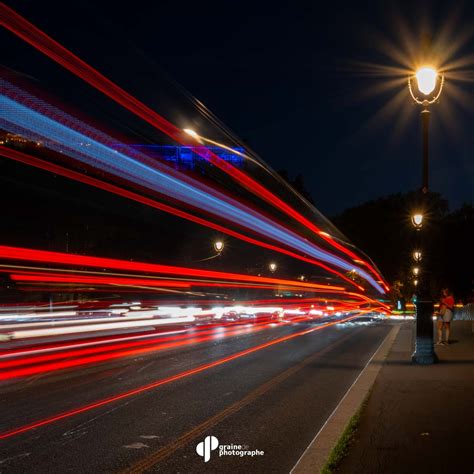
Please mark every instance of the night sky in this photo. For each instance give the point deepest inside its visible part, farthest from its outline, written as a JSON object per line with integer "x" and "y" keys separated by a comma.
{"x": 290, "y": 79}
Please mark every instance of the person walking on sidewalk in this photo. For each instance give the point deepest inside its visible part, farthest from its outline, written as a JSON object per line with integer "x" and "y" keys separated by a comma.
{"x": 445, "y": 315}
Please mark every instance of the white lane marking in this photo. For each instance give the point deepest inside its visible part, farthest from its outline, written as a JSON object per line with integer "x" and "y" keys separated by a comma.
{"x": 80, "y": 427}
{"x": 85, "y": 344}
{"x": 24, "y": 455}
{"x": 136, "y": 446}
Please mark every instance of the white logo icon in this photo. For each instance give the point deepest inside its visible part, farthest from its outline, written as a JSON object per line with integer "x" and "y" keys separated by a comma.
{"x": 205, "y": 447}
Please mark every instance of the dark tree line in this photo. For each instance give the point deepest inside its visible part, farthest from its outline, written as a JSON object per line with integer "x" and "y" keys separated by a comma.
{"x": 298, "y": 183}
{"x": 383, "y": 230}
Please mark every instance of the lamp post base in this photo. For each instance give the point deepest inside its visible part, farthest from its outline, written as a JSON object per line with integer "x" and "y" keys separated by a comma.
{"x": 424, "y": 351}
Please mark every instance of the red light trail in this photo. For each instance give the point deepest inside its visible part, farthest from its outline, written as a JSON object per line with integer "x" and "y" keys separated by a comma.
{"x": 39, "y": 364}
{"x": 44, "y": 256}
{"x": 58, "y": 53}
{"x": 56, "y": 169}
{"x": 99, "y": 403}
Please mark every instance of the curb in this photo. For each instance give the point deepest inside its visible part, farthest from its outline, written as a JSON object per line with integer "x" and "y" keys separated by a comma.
{"x": 315, "y": 455}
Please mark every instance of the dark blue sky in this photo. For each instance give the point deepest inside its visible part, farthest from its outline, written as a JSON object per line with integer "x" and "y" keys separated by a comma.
{"x": 282, "y": 75}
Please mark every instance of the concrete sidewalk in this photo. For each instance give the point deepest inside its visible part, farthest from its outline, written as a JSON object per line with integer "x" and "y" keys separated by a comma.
{"x": 419, "y": 418}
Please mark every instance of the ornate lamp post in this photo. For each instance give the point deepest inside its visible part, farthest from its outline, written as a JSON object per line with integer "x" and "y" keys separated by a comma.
{"x": 429, "y": 85}
{"x": 427, "y": 80}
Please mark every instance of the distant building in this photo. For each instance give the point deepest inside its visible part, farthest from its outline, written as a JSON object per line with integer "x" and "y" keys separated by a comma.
{"x": 15, "y": 140}
{"x": 185, "y": 158}
{"x": 180, "y": 157}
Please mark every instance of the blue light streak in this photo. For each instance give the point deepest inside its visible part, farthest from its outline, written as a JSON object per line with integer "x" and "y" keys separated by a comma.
{"x": 138, "y": 168}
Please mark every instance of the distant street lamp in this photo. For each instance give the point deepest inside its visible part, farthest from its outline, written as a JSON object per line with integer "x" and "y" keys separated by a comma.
{"x": 192, "y": 133}
{"x": 272, "y": 267}
{"x": 417, "y": 221}
{"x": 201, "y": 139}
{"x": 429, "y": 84}
{"x": 417, "y": 256}
{"x": 218, "y": 246}
{"x": 416, "y": 271}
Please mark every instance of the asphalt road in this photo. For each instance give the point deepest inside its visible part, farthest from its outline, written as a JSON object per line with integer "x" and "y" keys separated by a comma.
{"x": 273, "y": 400}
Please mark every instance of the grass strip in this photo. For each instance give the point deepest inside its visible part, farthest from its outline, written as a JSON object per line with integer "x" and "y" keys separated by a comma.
{"x": 342, "y": 446}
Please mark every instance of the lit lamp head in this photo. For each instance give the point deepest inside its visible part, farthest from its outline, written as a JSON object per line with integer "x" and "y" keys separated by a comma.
{"x": 416, "y": 271}
{"x": 272, "y": 267}
{"x": 417, "y": 256}
{"x": 429, "y": 84}
{"x": 417, "y": 220}
{"x": 218, "y": 246}
{"x": 193, "y": 134}
{"x": 415, "y": 282}
{"x": 426, "y": 78}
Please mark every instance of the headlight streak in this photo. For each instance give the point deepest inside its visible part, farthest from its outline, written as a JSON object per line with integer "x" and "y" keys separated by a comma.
{"x": 202, "y": 368}
{"x": 31, "y": 362}
{"x": 104, "y": 340}
{"x": 32, "y": 365}
{"x": 109, "y": 326}
{"x": 99, "y": 155}
{"x": 24, "y": 352}
{"x": 29, "y": 356}
{"x": 38, "y": 39}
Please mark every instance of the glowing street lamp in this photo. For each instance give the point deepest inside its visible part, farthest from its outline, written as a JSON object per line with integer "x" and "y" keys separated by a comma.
{"x": 417, "y": 256}
{"x": 192, "y": 133}
{"x": 218, "y": 246}
{"x": 429, "y": 84}
{"x": 272, "y": 266}
{"x": 427, "y": 81}
{"x": 201, "y": 139}
{"x": 417, "y": 220}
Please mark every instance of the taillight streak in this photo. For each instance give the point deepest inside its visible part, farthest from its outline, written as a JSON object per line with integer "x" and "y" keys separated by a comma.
{"x": 158, "y": 383}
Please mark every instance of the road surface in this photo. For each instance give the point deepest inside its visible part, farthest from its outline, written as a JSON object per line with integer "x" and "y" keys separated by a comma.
{"x": 274, "y": 400}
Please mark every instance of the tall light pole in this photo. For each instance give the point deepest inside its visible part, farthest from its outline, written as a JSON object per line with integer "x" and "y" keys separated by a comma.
{"x": 429, "y": 84}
